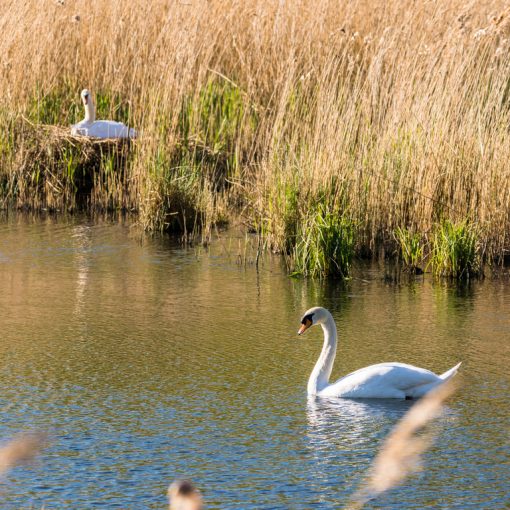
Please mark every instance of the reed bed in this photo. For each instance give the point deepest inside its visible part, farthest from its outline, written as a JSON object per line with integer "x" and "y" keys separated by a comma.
{"x": 392, "y": 115}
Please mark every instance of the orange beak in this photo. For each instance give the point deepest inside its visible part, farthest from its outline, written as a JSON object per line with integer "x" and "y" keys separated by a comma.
{"x": 304, "y": 326}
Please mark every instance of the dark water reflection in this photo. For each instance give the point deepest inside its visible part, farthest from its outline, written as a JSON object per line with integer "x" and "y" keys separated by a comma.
{"x": 147, "y": 362}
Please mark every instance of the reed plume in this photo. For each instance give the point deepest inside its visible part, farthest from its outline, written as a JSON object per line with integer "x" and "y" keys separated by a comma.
{"x": 400, "y": 455}
{"x": 184, "y": 496}
{"x": 20, "y": 450}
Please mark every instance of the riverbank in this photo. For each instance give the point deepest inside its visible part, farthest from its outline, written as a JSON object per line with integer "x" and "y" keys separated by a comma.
{"x": 330, "y": 130}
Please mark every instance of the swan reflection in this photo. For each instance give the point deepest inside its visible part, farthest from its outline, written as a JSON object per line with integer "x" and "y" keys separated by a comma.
{"x": 351, "y": 423}
{"x": 343, "y": 436}
{"x": 81, "y": 236}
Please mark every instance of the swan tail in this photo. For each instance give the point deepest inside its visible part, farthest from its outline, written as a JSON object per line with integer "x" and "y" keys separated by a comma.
{"x": 420, "y": 391}
{"x": 450, "y": 373}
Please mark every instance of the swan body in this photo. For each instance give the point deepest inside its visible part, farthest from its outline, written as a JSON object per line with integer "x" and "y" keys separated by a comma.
{"x": 384, "y": 380}
{"x": 103, "y": 129}
{"x": 89, "y": 126}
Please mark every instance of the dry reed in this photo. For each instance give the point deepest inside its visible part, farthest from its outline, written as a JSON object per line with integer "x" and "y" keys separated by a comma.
{"x": 394, "y": 113}
{"x": 20, "y": 450}
{"x": 400, "y": 454}
{"x": 183, "y": 495}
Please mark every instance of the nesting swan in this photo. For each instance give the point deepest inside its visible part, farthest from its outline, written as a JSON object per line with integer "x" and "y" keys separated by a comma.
{"x": 384, "y": 380}
{"x": 89, "y": 126}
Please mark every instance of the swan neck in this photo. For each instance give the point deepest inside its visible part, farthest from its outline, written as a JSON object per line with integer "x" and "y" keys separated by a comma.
{"x": 90, "y": 111}
{"x": 319, "y": 377}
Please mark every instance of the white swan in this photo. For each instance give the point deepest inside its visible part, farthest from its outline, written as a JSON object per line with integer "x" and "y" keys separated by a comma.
{"x": 384, "y": 380}
{"x": 89, "y": 126}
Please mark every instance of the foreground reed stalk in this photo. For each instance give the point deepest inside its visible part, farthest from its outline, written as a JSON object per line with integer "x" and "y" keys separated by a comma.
{"x": 400, "y": 455}
{"x": 387, "y": 114}
{"x": 183, "y": 495}
{"x": 20, "y": 450}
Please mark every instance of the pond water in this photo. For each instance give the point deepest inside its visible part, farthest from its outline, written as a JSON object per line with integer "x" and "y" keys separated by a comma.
{"x": 146, "y": 362}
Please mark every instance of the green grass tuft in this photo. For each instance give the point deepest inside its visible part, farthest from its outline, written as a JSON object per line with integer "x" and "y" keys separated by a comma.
{"x": 324, "y": 245}
{"x": 454, "y": 250}
{"x": 411, "y": 249}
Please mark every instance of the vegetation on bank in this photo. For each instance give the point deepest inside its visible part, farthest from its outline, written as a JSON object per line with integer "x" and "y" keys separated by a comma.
{"x": 452, "y": 250}
{"x": 331, "y": 129}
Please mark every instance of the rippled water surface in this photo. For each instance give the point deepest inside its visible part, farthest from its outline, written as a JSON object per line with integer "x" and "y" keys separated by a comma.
{"x": 147, "y": 362}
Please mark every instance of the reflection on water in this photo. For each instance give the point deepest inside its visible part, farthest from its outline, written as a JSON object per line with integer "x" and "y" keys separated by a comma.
{"x": 342, "y": 433}
{"x": 147, "y": 362}
{"x": 356, "y": 418}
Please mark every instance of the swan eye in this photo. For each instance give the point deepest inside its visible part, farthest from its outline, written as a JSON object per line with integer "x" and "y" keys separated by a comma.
{"x": 306, "y": 322}
{"x": 307, "y": 318}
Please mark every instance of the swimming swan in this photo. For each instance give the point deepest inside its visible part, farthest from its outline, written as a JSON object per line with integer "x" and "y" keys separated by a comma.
{"x": 384, "y": 380}
{"x": 89, "y": 126}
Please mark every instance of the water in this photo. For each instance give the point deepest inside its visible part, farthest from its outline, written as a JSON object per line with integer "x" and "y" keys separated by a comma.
{"x": 146, "y": 362}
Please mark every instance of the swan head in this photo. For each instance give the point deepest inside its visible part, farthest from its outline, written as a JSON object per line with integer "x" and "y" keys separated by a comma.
{"x": 88, "y": 103}
{"x": 312, "y": 317}
{"x": 85, "y": 96}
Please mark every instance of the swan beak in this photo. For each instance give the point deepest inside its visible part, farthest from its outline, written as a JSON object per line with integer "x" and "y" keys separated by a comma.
{"x": 304, "y": 326}
{"x": 86, "y": 99}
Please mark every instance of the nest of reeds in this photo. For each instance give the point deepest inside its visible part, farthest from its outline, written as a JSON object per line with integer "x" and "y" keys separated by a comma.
{"x": 56, "y": 170}
{"x": 52, "y": 138}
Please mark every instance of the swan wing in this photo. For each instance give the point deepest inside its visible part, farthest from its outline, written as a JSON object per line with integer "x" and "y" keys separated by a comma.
{"x": 80, "y": 129}
{"x": 104, "y": 129}
{"x": 384, "y": 380}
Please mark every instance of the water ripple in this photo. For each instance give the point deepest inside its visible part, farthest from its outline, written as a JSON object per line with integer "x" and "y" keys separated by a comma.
{"x": 148, "y": 362}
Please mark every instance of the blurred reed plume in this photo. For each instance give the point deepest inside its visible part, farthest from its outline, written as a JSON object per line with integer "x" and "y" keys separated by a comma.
{"x": 21, "y": 450}
{"x": 400, "y": 454}
{"x": 184, "y": 496}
